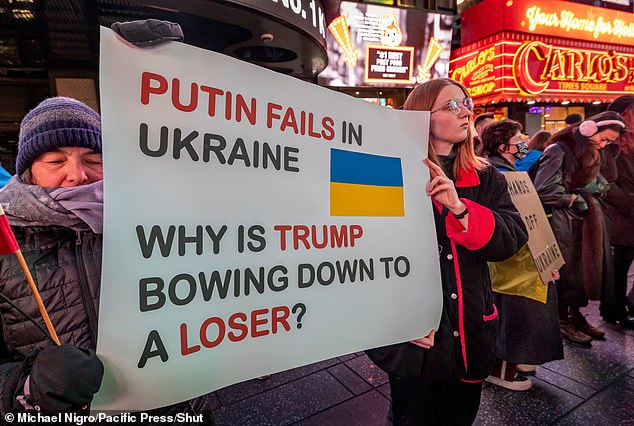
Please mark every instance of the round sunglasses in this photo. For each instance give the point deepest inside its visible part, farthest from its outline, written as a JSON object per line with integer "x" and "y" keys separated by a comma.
{"x": 456, "y": 105}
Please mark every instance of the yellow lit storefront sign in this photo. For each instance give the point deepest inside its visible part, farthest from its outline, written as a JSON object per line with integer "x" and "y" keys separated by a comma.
{"x": 542, "y": 21}
{"x": 476, "y": 63}
{"x": 518, "y": 70}
{"x": 477, "y": 71}
{"x": 552, "y": 18}
{"x": 538, "y": 67}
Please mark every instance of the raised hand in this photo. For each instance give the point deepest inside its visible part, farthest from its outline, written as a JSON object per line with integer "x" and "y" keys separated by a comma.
{"x": 442, "y": 189}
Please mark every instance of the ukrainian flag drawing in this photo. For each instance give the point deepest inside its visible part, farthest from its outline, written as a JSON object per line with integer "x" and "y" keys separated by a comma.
{"x": 365, "y": 184}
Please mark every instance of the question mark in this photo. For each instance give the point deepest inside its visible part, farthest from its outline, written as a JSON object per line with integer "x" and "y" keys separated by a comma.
{"x": 302, "y": 310}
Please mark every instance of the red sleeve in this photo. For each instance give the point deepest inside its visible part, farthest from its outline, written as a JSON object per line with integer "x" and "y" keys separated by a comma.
{"x": 481, "y": 226}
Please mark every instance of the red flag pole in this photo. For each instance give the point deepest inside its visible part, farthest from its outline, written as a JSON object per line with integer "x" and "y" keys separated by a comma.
{"x": 8, "y": 245}
{"x": 36, "y": 294}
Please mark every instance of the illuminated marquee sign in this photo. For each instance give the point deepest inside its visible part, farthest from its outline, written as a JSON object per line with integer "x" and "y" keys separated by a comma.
{"x": 549, "y": 18}
{"x": 477, "y": 71}
{"x": 533, "y": 67}
{"x": 538, "y": 67}
{"x": 543, "y": 21}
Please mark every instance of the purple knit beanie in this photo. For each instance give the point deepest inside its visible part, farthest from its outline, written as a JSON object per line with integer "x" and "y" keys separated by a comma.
{"x": 55, "y": 123}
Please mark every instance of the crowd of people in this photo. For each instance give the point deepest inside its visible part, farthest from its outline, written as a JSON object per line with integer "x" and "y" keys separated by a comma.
{"x": 489, "y": 330}
{"x": 584, "y": 176}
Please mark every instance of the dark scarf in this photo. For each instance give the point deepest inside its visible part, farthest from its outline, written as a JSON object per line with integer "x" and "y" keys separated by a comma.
{"x": 79, "y": 208}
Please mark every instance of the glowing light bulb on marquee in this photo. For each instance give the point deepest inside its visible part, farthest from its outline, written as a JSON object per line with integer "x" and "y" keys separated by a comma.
{"x": 339, "y": 29}
{"x": 434, "y": 49}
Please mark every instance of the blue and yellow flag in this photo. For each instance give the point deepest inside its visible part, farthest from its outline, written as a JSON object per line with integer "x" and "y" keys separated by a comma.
{"x": 365, "y": 184}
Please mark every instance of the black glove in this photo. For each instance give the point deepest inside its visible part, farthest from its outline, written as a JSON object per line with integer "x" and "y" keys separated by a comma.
{"x": 148, "y": 32}
{"x": 580, "y": 206}
{"x": 62, "y": 379}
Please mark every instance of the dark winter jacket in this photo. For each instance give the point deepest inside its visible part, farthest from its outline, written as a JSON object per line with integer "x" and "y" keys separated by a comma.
{"x": 464, "y": 345}
{"x": 65, "y": 261}
{"x": 580, "y": 228}
{"x": 525, "y": 163}
{"x": 618, "y": 169}
{"x": 501, "y": 164}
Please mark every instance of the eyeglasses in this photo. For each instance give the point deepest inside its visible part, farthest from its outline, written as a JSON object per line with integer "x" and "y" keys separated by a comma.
{"x": 456, "y": 105}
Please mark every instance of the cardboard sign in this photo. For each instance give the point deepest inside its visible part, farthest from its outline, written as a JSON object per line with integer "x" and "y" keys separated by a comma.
{"x": 253, "y": 223}
{"x": 541, "y": 240}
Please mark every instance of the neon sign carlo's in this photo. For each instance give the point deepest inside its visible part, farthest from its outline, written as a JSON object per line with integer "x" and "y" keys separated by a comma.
{"x": 483, "y": 57}
{"x": 536, "y": 65}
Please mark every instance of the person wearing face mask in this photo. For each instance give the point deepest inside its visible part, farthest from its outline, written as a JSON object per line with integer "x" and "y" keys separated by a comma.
{"x": 437, "y": 379}
{"x": 54, "y": 204}
{"x": 504, "y": 144}
{"x": 528, "y": 333}
{"x": 569, "y": 184}
{"x": 536, "y": 145}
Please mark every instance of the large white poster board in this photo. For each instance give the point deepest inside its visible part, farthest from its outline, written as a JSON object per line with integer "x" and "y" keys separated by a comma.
{"x": 541, "y": 240}
{"x": 253, "y": 223}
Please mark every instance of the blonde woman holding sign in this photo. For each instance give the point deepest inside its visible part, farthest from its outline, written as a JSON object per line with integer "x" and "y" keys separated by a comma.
{"x": 437, "y": 379}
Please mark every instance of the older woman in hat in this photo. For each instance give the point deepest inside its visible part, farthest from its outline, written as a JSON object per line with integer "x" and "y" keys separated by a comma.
{"x": 55, "y": 206}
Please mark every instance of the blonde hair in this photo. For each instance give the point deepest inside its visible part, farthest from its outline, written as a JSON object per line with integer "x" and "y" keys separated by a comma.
{"x": 422, "y": 98}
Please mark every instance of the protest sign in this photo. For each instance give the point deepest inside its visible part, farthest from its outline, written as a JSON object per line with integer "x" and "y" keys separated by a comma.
{"x": 253, "y": 223}
{"x": 541, "y": 240}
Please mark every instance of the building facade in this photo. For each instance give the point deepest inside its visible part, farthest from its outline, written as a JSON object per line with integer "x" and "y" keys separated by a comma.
{"x": 537, "y": 62}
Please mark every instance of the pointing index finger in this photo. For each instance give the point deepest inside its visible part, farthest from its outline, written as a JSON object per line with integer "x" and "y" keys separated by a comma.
{"x": 434, "y": 169}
